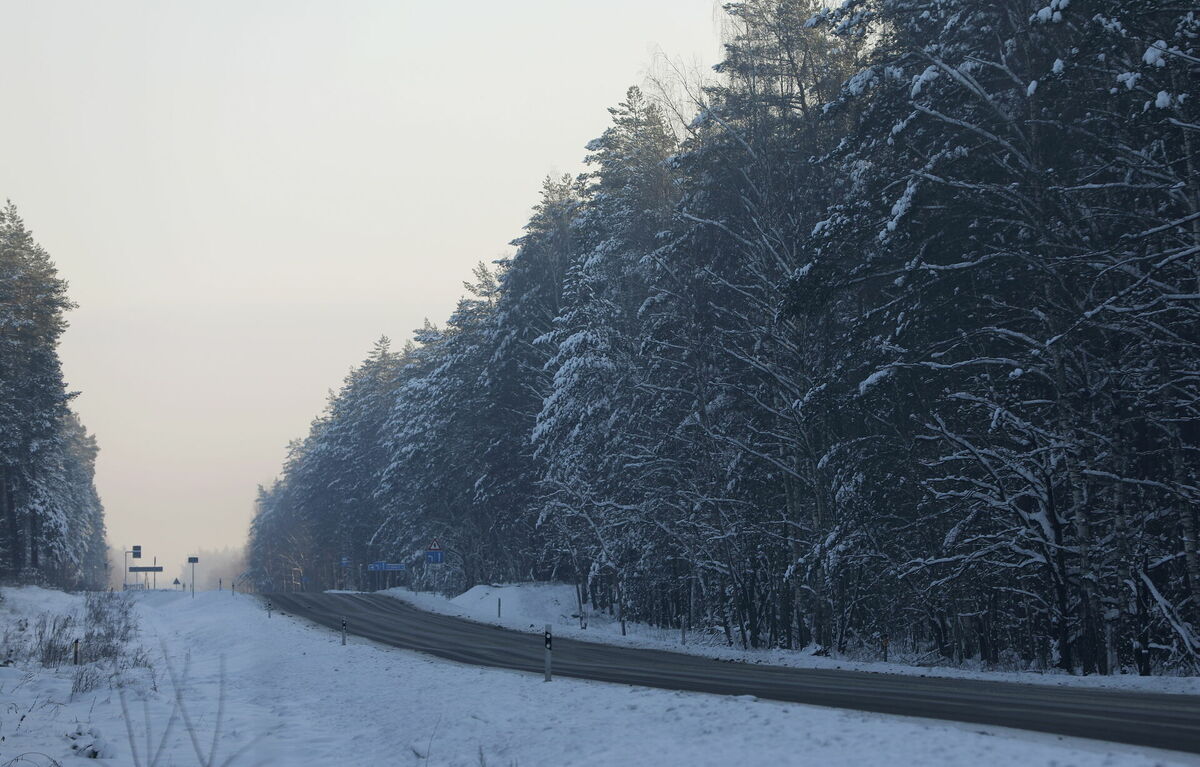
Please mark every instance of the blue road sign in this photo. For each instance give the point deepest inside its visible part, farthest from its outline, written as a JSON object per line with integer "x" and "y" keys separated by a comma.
{"x": 394, "y": 566}
{"x": 434, "y": 556}
{"x": 345, "y": 561}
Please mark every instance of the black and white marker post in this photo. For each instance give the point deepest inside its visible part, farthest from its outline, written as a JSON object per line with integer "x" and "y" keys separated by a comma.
{"x": 548, "y": 638}
{"x": 268, "y": 608}
{"x": 343, "y": 631}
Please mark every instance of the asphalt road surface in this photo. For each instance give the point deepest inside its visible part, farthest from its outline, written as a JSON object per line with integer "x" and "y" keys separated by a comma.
{"x": 1144, "y": 719}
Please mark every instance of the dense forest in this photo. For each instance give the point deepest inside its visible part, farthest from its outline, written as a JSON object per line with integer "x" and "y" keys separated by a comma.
{"x": 51, "y": 519}
{"x": 890, "y": 331}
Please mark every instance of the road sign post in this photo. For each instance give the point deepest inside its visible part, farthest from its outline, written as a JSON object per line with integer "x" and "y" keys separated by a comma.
{"x": 548, "y": 640}
{"x": 192, "y": 561}
{"x": 434, "y": 554}
{"x": 136, "y": 551}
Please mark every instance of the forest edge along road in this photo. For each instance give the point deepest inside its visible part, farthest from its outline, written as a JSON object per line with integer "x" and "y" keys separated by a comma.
{"x": 1143, "y": 719}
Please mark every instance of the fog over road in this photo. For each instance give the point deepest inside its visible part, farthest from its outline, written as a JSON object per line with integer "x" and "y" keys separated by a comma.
{"x": 1145, "y": 719}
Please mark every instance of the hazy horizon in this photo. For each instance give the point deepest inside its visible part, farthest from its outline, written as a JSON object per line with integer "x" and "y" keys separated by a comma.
{"x": 243, "y": 197}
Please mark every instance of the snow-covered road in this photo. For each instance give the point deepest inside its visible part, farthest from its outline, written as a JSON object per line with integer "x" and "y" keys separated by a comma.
{"x": 292, "y": 695}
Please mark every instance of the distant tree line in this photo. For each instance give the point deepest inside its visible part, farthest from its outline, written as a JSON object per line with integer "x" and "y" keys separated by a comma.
{"x": 51, "y": 518}
{"x": 893, "y": 333}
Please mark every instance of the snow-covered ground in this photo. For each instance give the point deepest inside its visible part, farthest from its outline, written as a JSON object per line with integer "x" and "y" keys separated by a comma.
{"x": 289, "y": 694}
{"x": 525, "y": 606}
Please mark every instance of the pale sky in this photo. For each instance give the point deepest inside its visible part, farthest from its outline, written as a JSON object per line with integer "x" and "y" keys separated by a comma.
{"x": 245, "y": 194}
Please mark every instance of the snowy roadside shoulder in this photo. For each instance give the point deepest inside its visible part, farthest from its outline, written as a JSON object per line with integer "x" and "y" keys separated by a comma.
{"x": 529, "y": 606}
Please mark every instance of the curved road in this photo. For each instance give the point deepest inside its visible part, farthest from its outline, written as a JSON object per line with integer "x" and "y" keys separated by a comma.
{"x": 1144, "y": 719}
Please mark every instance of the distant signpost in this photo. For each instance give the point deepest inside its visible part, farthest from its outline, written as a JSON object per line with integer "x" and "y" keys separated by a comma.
{"x": 345, "y": 561}
{"x": 193, "y": 561}
{"x": 387, "y": 566}
{"x": 136, "y": 551}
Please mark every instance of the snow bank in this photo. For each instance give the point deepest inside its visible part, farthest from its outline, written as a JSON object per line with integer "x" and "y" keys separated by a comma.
{"x": 29, "y": 601}
{"x": 525, "y": 604}
{"x": 532, "y": 605}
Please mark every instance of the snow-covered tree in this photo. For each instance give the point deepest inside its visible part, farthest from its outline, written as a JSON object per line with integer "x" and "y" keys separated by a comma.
{"x": 51, "y": 520}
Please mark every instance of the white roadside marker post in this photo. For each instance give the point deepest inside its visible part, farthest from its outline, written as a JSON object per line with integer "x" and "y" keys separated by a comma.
{"x": 343, "y": 631}
{"x": 76, "y": 652}
{"x": 548, "y": 638}
{"x": 268, "y": 608}
{"x": 497, "y": 608}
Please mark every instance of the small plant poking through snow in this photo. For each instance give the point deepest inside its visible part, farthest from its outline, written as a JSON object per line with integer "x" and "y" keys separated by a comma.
{"x": 88, "y": 743}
